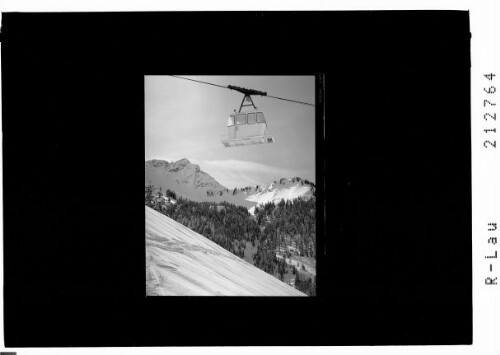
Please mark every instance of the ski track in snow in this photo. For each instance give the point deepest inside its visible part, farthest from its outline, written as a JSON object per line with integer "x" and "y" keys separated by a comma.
{"x": 180, "y": 262}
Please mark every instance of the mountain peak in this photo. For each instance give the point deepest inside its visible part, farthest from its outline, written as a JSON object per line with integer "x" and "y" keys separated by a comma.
{"x": 181, "y": 164}
{"x": 158, "y": 163}
{"x": 183, "y": 161}
{"x": 182, "y": 173}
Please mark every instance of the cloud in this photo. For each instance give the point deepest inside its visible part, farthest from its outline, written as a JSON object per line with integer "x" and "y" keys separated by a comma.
{"x": 239, "y": 173}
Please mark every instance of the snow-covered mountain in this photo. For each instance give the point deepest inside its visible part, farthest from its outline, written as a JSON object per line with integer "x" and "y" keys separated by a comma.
{"x": 184, "y": 173}
{"x": 180, "y": 262}
{"x": 284, "y": 189}
{"x": 189, "y": 181}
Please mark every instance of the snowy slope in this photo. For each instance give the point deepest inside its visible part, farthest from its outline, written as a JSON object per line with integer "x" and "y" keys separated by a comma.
{"x": 278, "y": 194}
{"x": 180, "y": 262}
{"x": 283, "y": 190}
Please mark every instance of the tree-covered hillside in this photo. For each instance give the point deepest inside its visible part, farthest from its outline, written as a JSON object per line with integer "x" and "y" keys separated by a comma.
{"x": 270, "y": 239}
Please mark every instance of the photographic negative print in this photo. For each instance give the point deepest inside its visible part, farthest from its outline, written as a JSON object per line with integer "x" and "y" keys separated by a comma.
{"x": 230, "y": 190}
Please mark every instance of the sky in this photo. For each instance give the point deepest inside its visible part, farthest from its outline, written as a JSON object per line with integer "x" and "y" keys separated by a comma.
{"x": 185, "y": 119}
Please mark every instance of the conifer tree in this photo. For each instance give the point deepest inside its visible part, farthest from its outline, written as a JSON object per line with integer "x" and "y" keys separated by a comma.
{"x": 149, "y": 195}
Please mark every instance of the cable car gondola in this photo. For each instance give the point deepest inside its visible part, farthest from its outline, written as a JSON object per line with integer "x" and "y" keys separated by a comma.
{"x": 247, "y": 128}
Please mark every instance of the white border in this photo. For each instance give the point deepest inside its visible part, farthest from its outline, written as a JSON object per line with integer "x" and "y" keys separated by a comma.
{"x": 227, "y": 5}
{"x": 485, "y": 163}
{"x": 485, "y": 23}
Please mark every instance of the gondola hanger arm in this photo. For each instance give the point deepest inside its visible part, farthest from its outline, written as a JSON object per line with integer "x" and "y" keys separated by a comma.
{"x": 244, "y": 91}
{"x": 247, "y": 91}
